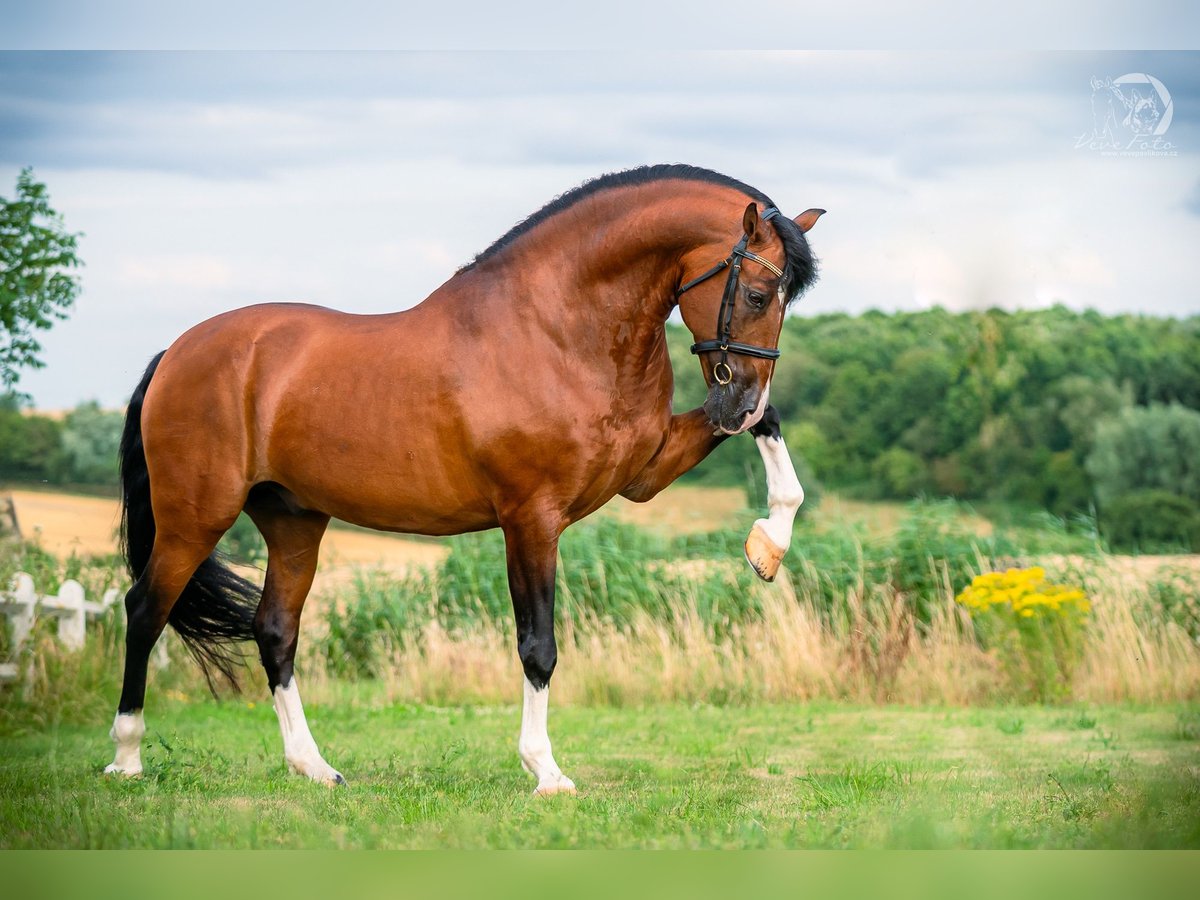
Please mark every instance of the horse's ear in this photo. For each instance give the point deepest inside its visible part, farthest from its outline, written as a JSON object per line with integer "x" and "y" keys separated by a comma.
{"x": 750, "y": 221}
{"x": 808, "y": 218}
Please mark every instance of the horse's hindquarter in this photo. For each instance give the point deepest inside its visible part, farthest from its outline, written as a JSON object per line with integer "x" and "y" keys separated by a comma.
{"x": 342, "y": 410}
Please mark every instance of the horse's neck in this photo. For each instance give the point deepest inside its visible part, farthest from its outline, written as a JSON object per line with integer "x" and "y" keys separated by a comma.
{"x": 603, "y": 272}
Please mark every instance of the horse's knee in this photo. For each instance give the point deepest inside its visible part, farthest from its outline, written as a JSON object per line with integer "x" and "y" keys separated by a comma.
{"x": 539, "y": 656}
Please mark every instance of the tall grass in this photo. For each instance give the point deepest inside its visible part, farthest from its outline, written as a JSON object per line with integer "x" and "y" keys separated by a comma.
{"x": 1136, "y": 647}
{"x": 617, "y": 575}
{"x": 789, "y": 651}
{"x": 644, "y": 618}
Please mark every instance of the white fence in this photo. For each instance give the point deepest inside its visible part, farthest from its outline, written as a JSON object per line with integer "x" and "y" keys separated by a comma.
{"x": 23, "y": 606}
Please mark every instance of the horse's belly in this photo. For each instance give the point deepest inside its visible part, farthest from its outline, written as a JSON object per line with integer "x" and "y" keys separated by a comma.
{"x": 390, "y": 494}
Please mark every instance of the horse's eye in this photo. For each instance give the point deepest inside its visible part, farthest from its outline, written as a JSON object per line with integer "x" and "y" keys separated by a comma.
{"x": 757, "y": 299}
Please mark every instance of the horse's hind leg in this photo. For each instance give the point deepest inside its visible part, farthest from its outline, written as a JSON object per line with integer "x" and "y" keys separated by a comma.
{"x": 148, "y": 604}
{"x": 293, "y": 540}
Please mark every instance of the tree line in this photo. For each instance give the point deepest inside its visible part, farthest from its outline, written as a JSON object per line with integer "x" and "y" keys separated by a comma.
{"x": 78, "y": 448}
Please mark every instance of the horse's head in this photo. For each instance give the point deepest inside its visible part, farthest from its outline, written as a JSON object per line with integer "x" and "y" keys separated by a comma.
{"x": 736, "y": 320}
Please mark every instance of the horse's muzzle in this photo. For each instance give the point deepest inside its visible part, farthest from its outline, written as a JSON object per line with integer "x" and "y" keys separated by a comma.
{"x": 733, "y": 408}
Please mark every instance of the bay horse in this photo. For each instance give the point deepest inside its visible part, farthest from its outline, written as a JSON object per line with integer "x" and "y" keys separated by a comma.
{"x": 524, "y": 393}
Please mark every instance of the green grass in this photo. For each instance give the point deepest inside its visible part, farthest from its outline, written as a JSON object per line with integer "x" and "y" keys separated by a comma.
{"x": 669, "y": 776}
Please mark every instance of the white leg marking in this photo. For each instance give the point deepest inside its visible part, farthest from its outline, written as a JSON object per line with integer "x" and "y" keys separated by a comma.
{"x": 534, "y": 745}
{"x": 127, "y": 732}
{"x": 299, "y": 748}
{"x": 784, "y": 493}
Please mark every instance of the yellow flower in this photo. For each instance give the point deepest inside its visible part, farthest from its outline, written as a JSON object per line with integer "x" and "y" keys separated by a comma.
{"x": 1022, "y": 591}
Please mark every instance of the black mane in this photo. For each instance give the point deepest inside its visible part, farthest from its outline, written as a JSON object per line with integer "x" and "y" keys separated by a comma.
{"x": 799, "y": 272}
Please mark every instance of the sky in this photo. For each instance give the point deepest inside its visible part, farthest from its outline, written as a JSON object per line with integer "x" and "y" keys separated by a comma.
{"x": 204, "y": 181}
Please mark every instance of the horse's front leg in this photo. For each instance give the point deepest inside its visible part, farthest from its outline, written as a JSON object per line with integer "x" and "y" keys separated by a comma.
{"x": 531, "y": 544}
{"x": 769, "y": 538}
{"x": 691, "y": 439}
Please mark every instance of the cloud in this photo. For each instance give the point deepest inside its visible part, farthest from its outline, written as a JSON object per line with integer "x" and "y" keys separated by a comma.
{"x": 1192, "y": 202}
{"x": 210, "y": 181}
{"x": 175, "y": 270}
{"x": 225, "y": 113}
{"x": 358, "y": 25}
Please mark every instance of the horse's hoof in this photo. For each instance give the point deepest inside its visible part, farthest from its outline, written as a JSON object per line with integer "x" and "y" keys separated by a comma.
{"x": 332, "y": 778}
{"x": 560, "y": 785}
{"x": 763, "y": 554}
{"x": 317, "y": 770}
{"x": 114, "y": 769}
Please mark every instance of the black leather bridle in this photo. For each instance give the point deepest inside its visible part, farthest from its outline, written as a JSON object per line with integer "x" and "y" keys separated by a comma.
{"x": 724, "y": 340}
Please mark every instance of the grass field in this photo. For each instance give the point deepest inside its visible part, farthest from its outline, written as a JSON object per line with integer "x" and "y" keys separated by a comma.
{"x": 792, "y": 776}
{"x": 695, "y": 707}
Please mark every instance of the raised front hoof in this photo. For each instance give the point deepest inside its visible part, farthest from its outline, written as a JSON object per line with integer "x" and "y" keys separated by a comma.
{"x": 124, "y": 771}
{"x": 551, "y": 786}
{"x": 763, "y": 554}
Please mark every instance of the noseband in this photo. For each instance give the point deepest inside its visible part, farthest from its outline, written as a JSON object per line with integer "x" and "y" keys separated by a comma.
{"x": 724, "y": 340}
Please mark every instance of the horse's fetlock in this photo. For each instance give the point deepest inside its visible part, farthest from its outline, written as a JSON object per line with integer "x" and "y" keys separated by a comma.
{"x": 538, "y": 657}
{"x": 128, "y": 728}
{"x": 532, "y": 750}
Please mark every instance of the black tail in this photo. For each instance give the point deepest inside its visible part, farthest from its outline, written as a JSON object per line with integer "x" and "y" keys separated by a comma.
{"x": 216, "y": 609}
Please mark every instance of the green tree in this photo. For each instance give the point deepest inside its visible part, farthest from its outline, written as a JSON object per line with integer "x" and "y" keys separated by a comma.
{"x": 898, "y": 473}
{"x": 1065, "y": 485}
{"x": 1147, "y": 448}
{"x": 29, "y": 444}
{"x": 1152, "y": 521}
{"x": 805, "y": 438}
{"x": 90, "y": 438}
{"x": 37, "y": 255}
{"x": 1080, "y": 404}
